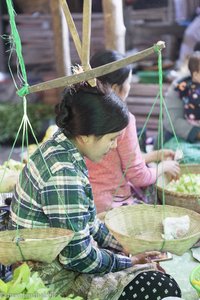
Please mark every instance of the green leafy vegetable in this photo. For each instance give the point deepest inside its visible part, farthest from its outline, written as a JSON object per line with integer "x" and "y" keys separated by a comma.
{"x": 187, "y": 184}
{"x": 25, "y": 283}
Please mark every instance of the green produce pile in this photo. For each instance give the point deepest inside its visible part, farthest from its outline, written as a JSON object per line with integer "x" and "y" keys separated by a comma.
{"x": 187, "y": 184}
{"x": 12, "y": 164}
{"x": 11, "y": 114}
{"x": 9, "y": 174}
{"x": 26, "y": 285}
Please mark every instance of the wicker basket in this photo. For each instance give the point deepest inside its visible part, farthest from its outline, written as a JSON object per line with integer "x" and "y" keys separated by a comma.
{"x": 180, "y": 199}
{"x": 138, "y": 228}
{"x": 194, "y": 277}
{"x": 35, "y": 244}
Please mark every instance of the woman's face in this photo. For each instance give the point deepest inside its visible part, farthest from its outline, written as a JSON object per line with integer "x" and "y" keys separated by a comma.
{"x": 123, "y": 90}
{"x": 95, "y": 148}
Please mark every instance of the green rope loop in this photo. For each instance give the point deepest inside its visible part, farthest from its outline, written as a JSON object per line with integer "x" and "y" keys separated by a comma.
{"x": 18, "y": 47}
{"x": 156, "y": 48}
{"x": 19, "y": 248}
{"x": 23, "y": 91}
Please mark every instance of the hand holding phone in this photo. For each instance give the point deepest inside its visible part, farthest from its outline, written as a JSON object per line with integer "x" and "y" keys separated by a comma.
{"x": 163, "y": 256}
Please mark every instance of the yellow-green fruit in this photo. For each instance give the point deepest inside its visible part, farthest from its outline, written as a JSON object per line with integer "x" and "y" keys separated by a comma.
{"x": 8, "y": 179}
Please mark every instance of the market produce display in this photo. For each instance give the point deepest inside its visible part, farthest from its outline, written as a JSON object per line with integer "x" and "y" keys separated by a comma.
{"x": 27, "y": 285}
{"x": 187, "y": 184}
{"x": 9, "y": 174}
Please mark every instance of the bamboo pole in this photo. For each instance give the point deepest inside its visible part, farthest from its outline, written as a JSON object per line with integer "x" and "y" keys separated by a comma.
{"x": 96, "y": 72}
{"x": 72, "y": 27}
{"x": 86, "y": 34}
{"x": 66, "y": 44}
{"x": 58, "y": 41}
{"x": 114, "y": 25}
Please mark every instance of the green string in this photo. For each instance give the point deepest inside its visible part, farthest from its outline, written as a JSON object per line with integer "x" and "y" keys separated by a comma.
{"x": 160, "y": 133}
{"x": 158, "y": 51}
{"x": 18, "y": 47}
{"x": 23, "y": 91}
{"x": 160, "y": 129}
{"x": 148, "y": 117}
{"x": 156, "y": 48}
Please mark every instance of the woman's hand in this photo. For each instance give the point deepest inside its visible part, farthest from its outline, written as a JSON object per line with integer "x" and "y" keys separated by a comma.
{"x": 169, "y": 166}
{"x": 145, "y": 257}
{"x": 165, "y": 154}
{"x": 158, "y": 267}
{"x": 158, "y": 155}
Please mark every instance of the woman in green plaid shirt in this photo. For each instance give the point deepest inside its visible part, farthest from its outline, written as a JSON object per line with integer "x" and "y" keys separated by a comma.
{"x": 54, "y": 191}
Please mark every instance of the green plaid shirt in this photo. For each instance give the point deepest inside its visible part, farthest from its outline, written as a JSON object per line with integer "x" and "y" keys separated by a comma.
{"x": 54, "y": 191}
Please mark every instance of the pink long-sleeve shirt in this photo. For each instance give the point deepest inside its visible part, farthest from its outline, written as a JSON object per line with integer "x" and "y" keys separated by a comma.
{"x": 107, "y": 177}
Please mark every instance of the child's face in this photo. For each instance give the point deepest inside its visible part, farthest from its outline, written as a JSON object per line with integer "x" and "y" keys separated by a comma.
{"x": 196, "y": 77}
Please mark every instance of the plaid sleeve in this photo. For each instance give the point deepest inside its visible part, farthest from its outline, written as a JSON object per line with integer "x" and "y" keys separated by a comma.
{"x": 103, "y": 237}
{"x": 67, "y": 206}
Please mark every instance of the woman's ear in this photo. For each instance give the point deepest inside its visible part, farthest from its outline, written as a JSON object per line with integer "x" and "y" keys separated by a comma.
{"x": 115, "y": 88}
{"x": 82, "y": 139}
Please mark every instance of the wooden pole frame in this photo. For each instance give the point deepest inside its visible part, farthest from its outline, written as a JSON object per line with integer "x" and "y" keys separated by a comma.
{"x": 96, "y": 72}
{"x": 72, "y": 27}
{"x": 83, "y": 50}
{"x": 86, "y": 34}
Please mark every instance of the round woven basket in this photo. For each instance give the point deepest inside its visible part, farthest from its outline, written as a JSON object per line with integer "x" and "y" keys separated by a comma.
{"x": 36, "y": 244}
{"x": 180, "y": 199}
{"x": 138, "y": 228}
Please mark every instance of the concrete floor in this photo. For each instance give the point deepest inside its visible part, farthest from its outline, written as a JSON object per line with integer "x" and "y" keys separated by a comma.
{"x": 180, "y": 268}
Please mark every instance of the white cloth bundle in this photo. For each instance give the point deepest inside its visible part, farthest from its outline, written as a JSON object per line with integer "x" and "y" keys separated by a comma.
{"x": 175, "y": 228}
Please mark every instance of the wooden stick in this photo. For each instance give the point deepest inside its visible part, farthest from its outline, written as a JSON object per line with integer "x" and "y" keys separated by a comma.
{"x": 58, "y": 39}
{"x": 96, "y": 72}
{"x": 72, "y": 27}
{"x": 86, "y": 33}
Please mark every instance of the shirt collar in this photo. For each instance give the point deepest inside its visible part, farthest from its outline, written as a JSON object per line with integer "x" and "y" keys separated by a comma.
{"x": 64, "y": 142}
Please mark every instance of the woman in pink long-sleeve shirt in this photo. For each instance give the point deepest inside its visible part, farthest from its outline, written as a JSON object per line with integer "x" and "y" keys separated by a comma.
{"x": 124, "y": 166}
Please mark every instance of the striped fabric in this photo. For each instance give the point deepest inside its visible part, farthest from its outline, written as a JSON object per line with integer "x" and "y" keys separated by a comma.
{"x": 54, "y": 191}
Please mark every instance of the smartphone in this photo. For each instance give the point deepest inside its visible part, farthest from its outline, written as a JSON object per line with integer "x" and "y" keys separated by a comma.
{"x": 163, "y": 256}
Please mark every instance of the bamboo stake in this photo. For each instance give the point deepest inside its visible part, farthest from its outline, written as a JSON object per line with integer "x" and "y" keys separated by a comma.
{"x": 86, "y": 34}
{"x": 114, "y": 29}
{"x": 96, "y": 72}
{"x": 72, "y": 27}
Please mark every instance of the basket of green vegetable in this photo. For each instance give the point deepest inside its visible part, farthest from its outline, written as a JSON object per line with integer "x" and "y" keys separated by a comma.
{"x": 185, "y": 191}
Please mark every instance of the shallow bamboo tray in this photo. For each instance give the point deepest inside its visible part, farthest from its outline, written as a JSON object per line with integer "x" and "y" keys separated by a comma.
{"x": 36, "y": 244}
{"x": 180, "y": 199}
{"x": 139, "y": 228}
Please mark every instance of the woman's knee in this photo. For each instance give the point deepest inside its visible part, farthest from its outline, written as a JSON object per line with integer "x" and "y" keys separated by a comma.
{"x": 151, "y": 285}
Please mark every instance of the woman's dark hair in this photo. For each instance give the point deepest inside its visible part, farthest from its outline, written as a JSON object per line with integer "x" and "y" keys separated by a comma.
{"x": 194, "y": 62}
{"x": 107, "y": 56}
{"x": 86, "y": 110}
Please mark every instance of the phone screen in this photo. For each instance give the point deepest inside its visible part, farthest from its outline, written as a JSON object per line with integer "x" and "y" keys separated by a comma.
{"x": 163, "y": 256}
